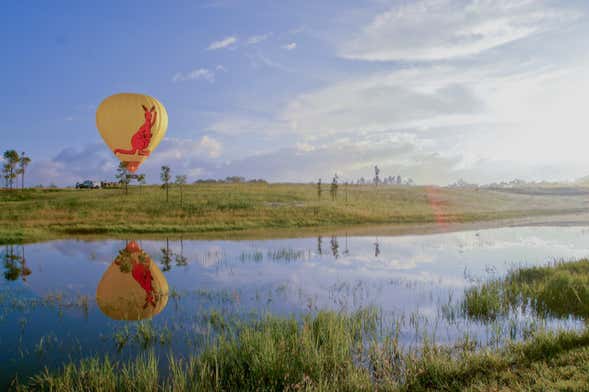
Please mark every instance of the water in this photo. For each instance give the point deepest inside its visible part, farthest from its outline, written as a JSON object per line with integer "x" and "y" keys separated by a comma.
{"x": 49, "y": 311}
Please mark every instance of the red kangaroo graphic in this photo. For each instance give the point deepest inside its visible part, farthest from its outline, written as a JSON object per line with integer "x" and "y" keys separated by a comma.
{"x": 140, "y": 139}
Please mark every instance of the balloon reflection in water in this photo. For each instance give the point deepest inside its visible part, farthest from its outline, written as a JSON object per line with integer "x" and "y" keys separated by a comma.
{"x": 133, "y": 287}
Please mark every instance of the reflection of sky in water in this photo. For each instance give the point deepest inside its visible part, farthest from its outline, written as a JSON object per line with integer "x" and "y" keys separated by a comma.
{"x": 400, "y": 275}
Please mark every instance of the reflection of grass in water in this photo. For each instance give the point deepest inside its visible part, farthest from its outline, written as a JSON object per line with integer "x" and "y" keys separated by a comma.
{"x": 255, "y": 256}
{"x": 144, "y": 333}
{"x": 336, "y": 351}
{"x": 288, "y": 254}
{"x": 19, "y": 300}
{"x": 276, "y": 255}
{"x": 558, "y": 290}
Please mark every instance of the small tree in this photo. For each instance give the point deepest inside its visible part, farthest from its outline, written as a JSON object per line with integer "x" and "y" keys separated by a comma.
{"x": 319, "y": 190}
{"x": 376, "y": 175}
{"x": 181, "y": 181}
{"x": 333, "y": 188}
{"x": 11, "y": 159}
{"x": 6, "y": 174}
{"x": 141, "y": 181}
{"x": 123, "y": 176}
{"x": 23, "y": 162}
{"x": 166, "y": 176}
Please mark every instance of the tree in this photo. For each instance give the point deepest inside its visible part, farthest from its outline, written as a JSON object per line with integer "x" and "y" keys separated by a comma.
{"x": 376, "y": 175}
{"x": 166, "y": 176}
{"x": 11, "y": 159}
{"x": 123, "y": 176}
{"x": 333, "y": 187}
{"x": 181, "y": 181}
{"x": 23, "y": 162}
{"x": 6, "y": 174}
{"x": 141, "y": 181}
{"x": 319, "y": 190}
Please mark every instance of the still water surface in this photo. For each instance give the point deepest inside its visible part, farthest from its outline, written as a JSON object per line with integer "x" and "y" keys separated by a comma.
{"x": 50, "y": 313}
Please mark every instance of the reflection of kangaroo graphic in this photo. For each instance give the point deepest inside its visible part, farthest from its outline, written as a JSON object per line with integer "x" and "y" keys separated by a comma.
{"x": 142, "y": 275}
{"x": 140, "y": 139}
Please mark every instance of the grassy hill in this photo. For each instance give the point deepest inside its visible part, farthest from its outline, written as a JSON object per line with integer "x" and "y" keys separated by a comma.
{"x": 36, "y": 214}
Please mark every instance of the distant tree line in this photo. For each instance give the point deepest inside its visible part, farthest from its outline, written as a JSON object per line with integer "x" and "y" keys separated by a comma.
{"x": 14, "y": 165}
{"x": 230, "y": 180}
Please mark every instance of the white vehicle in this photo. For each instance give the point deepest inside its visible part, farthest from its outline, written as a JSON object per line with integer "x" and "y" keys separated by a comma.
{"x": 88, "y": 184}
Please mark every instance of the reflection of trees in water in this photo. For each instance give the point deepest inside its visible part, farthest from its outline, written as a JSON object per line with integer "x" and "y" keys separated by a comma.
{"x": 168, "y": 255}
{"x": 15, "y": 265}
{"x": 319, "y": 244}
{"x": 180, "y": 259}
{"x": 334, "y": 247}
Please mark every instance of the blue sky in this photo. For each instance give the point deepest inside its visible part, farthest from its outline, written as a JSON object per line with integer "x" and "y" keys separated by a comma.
{"x": 294, "y": 90}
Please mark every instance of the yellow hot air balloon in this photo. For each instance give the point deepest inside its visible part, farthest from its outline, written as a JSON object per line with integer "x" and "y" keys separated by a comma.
{"x": 132, "y": 125}
{"x": 133, "y": 287}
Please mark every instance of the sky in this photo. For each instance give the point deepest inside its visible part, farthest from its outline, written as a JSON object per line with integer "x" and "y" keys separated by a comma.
{"x": 435, "y": 90}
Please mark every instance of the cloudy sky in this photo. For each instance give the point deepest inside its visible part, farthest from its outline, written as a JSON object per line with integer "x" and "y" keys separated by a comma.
{"x": 437, "y": 90}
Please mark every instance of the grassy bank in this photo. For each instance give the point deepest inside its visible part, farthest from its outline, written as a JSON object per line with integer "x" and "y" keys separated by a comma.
{"x": 559, "y": 290}
{"x": 221, "y": 208}
{"x": 335, "y": 352}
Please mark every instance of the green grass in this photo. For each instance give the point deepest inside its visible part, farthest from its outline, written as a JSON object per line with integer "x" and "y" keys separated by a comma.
{"x": 557, "y": 290}
{"x": 334, "y": 352}
{"x": 37, "y": 214}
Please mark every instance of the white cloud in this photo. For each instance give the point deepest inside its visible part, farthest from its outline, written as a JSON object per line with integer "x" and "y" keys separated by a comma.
{"x": 244, "y": 125}
{"x": 442, "y": 29}
{"x": 196, "y": 74}
{"x": 290, "y": 46}
{"x": 351, "y": 158}
{"x": 186, "y": 149}
{"x": 258, "y": 60}
{"x": 256, "y": 39}
{"x": 399, "y": 99}
{"x": 96, "y": 162}
{"x": 222, "y": 44}
{"x": 220, "y": 68}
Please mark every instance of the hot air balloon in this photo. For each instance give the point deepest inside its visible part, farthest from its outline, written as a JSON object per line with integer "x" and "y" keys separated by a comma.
{"x": 133, "y": 287}
{"x": 132, "y": 125}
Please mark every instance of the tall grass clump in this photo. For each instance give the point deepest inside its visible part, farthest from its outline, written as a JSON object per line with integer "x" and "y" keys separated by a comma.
{"x": 281, "y": 354}
{"x": 558, "y": 290}
{"x": 335, "y": 352}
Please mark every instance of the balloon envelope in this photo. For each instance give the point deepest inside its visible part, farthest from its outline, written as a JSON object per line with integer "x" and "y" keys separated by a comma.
{"x": 133, "y": 287}
{"x": 132, "y": 125}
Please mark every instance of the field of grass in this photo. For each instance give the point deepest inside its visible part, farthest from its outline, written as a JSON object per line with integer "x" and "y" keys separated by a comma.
{"x": 38, "y": 214}
{"x": 335, "y": 352}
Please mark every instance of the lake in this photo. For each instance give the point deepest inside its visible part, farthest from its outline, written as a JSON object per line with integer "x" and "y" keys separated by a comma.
{"x": 68, "y": 299}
